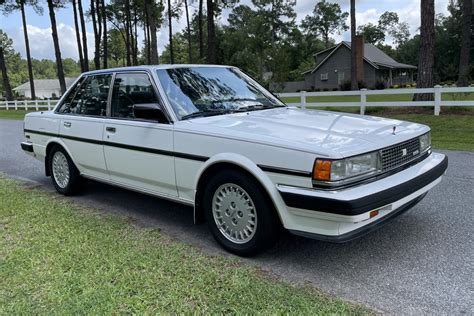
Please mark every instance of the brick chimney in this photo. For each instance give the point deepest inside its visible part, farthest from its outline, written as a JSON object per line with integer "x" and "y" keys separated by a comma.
{"x": 359, "y": 46}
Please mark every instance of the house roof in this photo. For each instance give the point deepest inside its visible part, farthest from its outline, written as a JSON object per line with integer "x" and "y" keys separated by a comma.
{"x": 44, "y": 84}
{"x": 372, "y": 54}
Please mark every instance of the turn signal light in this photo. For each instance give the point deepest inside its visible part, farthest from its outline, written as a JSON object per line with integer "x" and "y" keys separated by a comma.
{"x": 322, "y": 170}
{"x": 373, "y": 213}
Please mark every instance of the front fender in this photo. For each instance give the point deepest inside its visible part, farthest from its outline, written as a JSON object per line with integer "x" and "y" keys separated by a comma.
{"x": 248, "y": 165}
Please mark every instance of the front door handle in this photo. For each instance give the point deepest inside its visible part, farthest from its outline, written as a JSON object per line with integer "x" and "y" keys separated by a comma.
{"x": 110, "y": 129}
{"x": 67, "y": 124}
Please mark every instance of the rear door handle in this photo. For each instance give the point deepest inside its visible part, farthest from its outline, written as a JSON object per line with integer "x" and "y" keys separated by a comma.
{"x": 110, "y": 129}
{"x": 67, "y": 124}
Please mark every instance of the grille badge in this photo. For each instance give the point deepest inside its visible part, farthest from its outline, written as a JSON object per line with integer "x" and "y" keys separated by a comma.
{"x": 404, "y": 152}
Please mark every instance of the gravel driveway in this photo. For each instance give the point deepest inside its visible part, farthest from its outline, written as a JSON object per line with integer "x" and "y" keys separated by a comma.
{"x": 422, "y": 262}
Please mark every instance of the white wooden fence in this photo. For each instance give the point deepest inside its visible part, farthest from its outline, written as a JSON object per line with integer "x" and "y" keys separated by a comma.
{"x": 28, "y": 105}
{"x": 362, "y": 103}
{"x": 363, "y": 93}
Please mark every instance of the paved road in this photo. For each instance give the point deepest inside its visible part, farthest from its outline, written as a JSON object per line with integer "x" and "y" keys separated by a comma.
{"x": 422, "y": 262}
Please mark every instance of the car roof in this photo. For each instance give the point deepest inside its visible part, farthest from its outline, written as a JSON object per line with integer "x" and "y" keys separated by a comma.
{"x": 153, "y": 67}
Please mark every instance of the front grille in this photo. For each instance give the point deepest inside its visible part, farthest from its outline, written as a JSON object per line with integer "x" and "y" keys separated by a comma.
{"x": 399, "y": 154}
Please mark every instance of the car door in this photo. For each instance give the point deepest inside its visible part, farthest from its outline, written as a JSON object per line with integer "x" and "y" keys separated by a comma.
{"x": 83, "y": 114}
{"x": 138, "y": 153}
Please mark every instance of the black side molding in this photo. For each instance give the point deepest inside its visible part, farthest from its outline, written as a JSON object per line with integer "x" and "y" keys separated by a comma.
{"x": 366, "y": 203}
{"x": 27, "y": 147}
{"x": 357, "y": 233}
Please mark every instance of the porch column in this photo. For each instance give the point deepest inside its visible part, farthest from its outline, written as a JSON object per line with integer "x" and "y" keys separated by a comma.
{"x": 390, "y": 76}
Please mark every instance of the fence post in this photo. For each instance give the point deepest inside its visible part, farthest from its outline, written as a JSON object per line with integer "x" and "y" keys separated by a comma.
{"x": 363, "y": 100}
{"x": 6, "y": 104}
{"x": 437, "y": 99}
{"x": 16, "y": 105}
{"x": 25, "y": 103}
{"x": 303, "y": 99}
{"x": 36, "y": 105}
{"x": 49, "y": 104}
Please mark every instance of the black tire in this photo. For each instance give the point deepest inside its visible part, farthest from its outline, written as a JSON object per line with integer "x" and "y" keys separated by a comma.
{"x": 267, "y": 223}
{"x": 75, "y": 182}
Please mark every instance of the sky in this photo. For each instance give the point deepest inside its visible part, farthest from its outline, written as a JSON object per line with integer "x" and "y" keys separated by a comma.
{"x": 42, "y": 46}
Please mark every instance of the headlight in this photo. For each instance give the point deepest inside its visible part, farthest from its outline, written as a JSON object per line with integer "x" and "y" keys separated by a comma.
{"x": 336, "y": 170}
{"x": 425, "y": 142}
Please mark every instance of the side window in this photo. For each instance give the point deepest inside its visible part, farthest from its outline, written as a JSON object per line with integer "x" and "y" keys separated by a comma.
{"x": 89, "y": 97}
{"x": 130, "y": 89}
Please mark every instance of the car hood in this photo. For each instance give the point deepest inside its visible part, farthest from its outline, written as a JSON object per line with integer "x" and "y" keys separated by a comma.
{"x": 322, "y": 132}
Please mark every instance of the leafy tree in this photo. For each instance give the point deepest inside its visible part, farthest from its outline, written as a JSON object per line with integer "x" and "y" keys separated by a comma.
{"x": 390, "y": 23}
{"x": 327, "y": 19}
{"x": 463, "y": 76}
{"x": 9, "y": 6}
{"x": 6, "y": 48}
{"x": 372, "y": 33}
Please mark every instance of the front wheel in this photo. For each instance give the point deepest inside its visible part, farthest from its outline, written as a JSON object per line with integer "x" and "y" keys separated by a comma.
{"x": 239, "y": 214}
{"x": 64, "y": 174}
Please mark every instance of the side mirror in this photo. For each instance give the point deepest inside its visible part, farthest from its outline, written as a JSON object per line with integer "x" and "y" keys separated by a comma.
{"x": 149, "y": 111}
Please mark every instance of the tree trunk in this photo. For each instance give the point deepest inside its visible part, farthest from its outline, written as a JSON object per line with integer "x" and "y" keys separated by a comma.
{"x": 211, "y": 34}
{"x": 104, "y": 40}
{"x": 57, "y": 50}
{"x": 354, "y": 83}
{"x": 98, "y": 11}
{"x": 84, "y": 35}
{"x": 78, "y": 35}
{"x": 127, "y": 32}
{"x": 201, "y": 40}
{"x": 463, "y": 78}
{"x": 151, "y": 12}
{"x": 427, "y": 40}
{"x": 188, "y": 30}
{"x": 135, "y": 31}
{"x": 6, "y": 82}
{"x": 27, "y": 48}
{"x": 170, "y": 26}
{"x": 96, "y": 35}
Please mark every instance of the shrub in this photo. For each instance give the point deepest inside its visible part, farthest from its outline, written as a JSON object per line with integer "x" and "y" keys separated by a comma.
{"x": 362, "y": 84}
{"x": 335, "y": 89}
{"x": 345, "y": 85}
{"x": 325, "y": 89}
{"x": 380, "y": 85}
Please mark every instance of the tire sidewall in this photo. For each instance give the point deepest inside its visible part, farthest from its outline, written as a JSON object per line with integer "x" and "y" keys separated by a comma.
{"x": 266, "y": 224}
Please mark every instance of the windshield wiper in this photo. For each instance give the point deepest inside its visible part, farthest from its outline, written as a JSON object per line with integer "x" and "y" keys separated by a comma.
{"x": 205, "y": 113}
{"x": 256, "y": 107}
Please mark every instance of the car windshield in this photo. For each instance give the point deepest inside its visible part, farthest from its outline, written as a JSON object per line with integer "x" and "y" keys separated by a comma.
{"x": 206, "y": 91}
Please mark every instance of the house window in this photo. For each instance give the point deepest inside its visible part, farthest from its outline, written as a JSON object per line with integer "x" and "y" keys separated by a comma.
{"x": 324, "y": 76}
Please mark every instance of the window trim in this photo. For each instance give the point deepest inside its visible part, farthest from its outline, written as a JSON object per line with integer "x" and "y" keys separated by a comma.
{"x": 157, "y": 94}
{"x": 79, "y": 82}
{"x": 108, "y": 111}
{"x": 324, "y": 76}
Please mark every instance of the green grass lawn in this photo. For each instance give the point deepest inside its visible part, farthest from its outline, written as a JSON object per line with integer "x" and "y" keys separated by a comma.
{"x": 14, "y": 114}
{"x": 453, "y": 131}
{"x": 60, "y": 258}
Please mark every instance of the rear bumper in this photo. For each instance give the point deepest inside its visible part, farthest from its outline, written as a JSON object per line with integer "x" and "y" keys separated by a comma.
{"x": 342, "y": 215}
{"x": 27, "y": 146}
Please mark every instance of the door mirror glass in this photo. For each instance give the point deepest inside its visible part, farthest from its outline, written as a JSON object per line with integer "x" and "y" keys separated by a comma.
{"x": 149, "y": 111}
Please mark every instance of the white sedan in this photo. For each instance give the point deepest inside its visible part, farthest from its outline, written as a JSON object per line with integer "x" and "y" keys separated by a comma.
{"x": 213, "y": 138}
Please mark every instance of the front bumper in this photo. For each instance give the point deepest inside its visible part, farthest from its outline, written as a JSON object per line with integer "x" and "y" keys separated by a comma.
{"x": 27, "y": 146}
{"x": 343, "y": 215}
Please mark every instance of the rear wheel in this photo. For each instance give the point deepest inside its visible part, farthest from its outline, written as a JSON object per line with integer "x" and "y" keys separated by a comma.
{"x": 239, "y": 214}
{"x": 64, "y": 174}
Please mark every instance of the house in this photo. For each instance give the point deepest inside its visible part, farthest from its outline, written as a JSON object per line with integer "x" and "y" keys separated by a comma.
{"x": 44, "y": 88}
{"x": 333, "y": 67}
